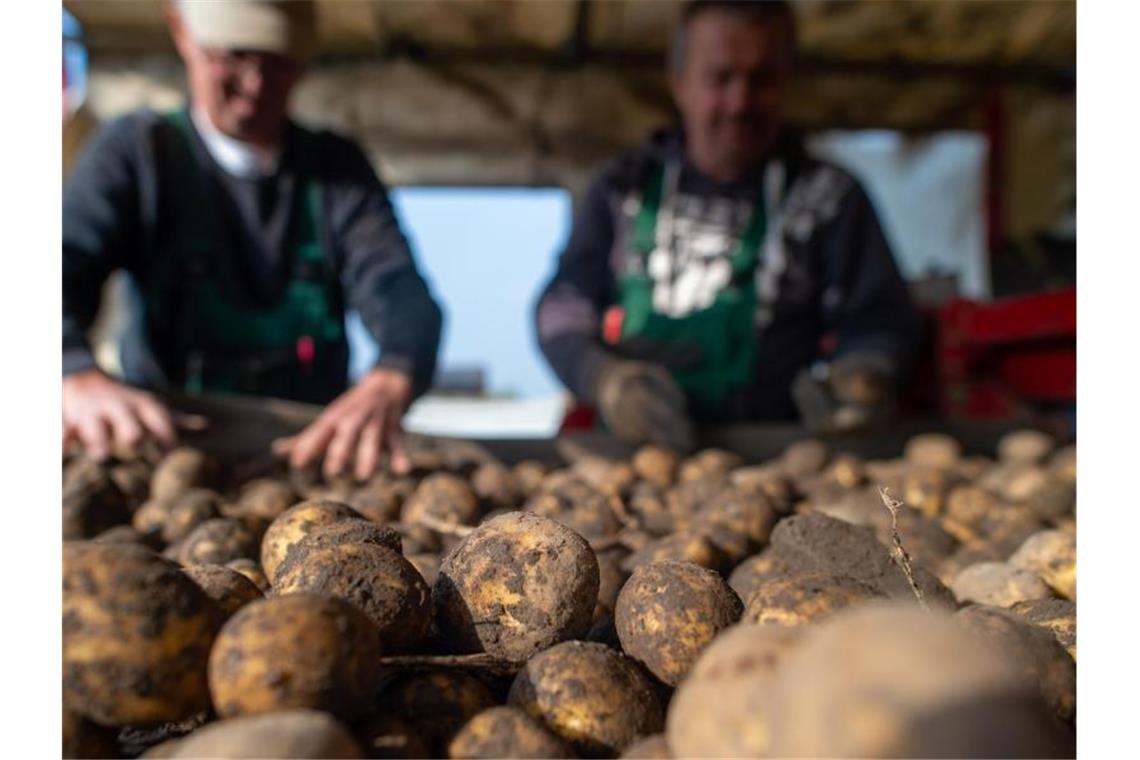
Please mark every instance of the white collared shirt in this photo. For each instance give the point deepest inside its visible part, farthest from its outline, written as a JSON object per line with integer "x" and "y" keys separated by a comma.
{"x": 237, "y": 158}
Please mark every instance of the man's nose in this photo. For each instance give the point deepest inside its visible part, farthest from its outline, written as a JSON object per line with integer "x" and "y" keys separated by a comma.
{"x": 738, "y": 95}
{"x": 251, "y": 79}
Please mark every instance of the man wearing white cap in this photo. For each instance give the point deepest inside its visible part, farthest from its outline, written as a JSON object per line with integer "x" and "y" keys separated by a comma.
{"x": 248, "y": 237}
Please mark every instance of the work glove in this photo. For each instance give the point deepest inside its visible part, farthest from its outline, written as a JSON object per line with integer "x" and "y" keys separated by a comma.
{"x": 851, "y": 394}
{"x": 641, "y": 403}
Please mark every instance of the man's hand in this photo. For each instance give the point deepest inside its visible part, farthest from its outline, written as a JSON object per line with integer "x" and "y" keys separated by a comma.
{"x": 641, "y": 403}
{"x": 359, "y": 425}
{"x": 102, "y": 414}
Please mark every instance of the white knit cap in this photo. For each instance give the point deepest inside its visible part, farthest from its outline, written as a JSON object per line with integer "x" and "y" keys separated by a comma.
{"x": 287, "y": 27}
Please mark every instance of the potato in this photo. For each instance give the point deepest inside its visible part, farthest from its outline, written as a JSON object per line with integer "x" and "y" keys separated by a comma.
{"x": 667, "y": 612}
{"x": 180, "y": 470}
{"x": 966, "y": 510}
{"x": 656, "y": 464}
{"x": 970, "y": 554}
{"x": 82, "y": 738}
{"x": 218, "y": 541}
{"x": 1052, "y": 555}
{"x": 1063, "y": 463}
{"x": 836, "y": 547}
{"x": 804, "y": 458}
{"x": 595, "y": 698}
{"x": 773, "y": 562}
{"x": 933, "y": 450}
{"x": 1033, "y": 651}
{"x": 444, "y": 497}
{"x": 686, "y": 546}
{"x": 121, "y": 534}
{"x": 347, "y": 531}
{"x": 266, "y": 498}
{"x": 529, "y": 475}
{"x": 92, "y": 502}
{"x": 926, "y": 488}
{"x": 293, "y": 651}
{"x": 648, "y": 508}
{"x": 229, "y": 589}
{"x": 846, "y": 470}
{"x": 605, "y": 475}
{"x": 997, "y": 584}
{"x": 714, "y": 463}
{"x": 438, "y": 703}
{"x": 1025, "y": 446}
{"x": 378, "y": 502}
{"x": 736, "y": 522}
{"x": 610, "y": 580}
{"x": 888, "y": 681}
{"x": 1007, "y": 528}
{"x": 495, "y": 486}
{"x": 505, "y": 732}
{"x": 576, "y": 505}
{"x": 516, "y": 585}
{"x": 133, "y": 479}
{"x": 285, "y": 734}
{"x": 649, "y": 748}
{"x": 689, "y": 496}
{"x": 149, "y": 520}
{"x": 1058, "y": 616}
{"x": 251, "y": 570}
{"x": 136, "y": 635}
{"x": 294, "y": 524}
{"x": 804, "y": 598}
{"x": 187, "y": 511}
{"x": 374, "y": 579}
{"x": 722, "y": 709}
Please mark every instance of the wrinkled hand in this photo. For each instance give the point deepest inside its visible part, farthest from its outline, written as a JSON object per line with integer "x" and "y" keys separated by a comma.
{"x": 104, "y": 414}
{"x": 641, "y": 403}
{"x": 358, "y": 426}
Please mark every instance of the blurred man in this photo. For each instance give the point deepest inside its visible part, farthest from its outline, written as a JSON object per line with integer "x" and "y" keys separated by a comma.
{"x": 716, "y": 272}
{"x": 248, "y": 237}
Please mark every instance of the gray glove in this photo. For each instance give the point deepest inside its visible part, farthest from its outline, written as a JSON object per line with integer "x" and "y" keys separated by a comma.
{"x": 850, "y": 394}
{"x": 641, "y": 403}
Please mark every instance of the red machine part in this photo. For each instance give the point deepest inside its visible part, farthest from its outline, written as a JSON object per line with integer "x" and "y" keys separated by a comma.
{"x": 999, "y": 359}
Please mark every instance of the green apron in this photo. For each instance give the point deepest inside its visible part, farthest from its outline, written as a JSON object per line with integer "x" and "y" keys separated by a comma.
{"x": 722, "y": 335}
{"x": 207, "y": 333}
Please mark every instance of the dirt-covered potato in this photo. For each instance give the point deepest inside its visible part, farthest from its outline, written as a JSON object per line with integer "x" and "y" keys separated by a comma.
{"x": 1007, "y": 528}
{"x": 92, "y": 502}
{"x": 610, "y": 580}
{"x": 505, "y": 732}
{"x": 379, "y": 500}
{"x": 687, "y": 546}
{"x": 605, "y": 476}
{"x": 656, "y": 464}
{"x": 218, "y": 541}
{"x": 444, "y": 497}
{"x": 667, "y": 612}
{"x": 1063, "y": 463}
{"x": 182, "y": 469}
{"x": 300, "y": 650}
{"x": 894, "y": 681}
{"x": 578, "y": 506}
{"x": 966, "y": 509}
{"x": 997, "y": 584}
{"x": 803, "y": 598}
{"x": 348, "y": 531}
{"x": 294, "y": 524}
{"x": 516, "y": 585}
{"x": 737, "y": 522}
{"x": 266, "y": 498}
{"x": 1033, "y": 651}
{"x": 189, "y": 510}
{"x": 83, "y": 738}
{"x": 1025, "y": 446}
{"x": 933, "y": 450}
{"x": 926, "y": 489}
{"x": 709, "y": 463}
{"x": 766, "y": 479}
{"x": 595, "y": 698}
{"x": 438, "y": 703}
{"x": 121, "y": 534}
{"x": 133, "y": 479}
{"x": 1052, "y": 555}
{"x": 1059, "y": 616}
{"x": 495, "y": 486}
{"x": 284, "y": 734}
{"x": 965, "y": 556}
{"x": 649, "y": 509}
{"x": 251, "y": 570}
{"x": 136, "y": 635}
{"x": 375, "y": 579}
{"x": 529, "y": 475}
{"x": 229, "y": 589}
{"x": 833, "y": 546}
{"x": 723, "y": 707}
{"x": 772, "y": 562}
{"x": 804, "y": 458}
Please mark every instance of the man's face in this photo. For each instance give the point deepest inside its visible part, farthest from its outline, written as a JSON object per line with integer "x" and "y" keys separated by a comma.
{"x": 731, "y": 91}
{"x": 244, "y": 93}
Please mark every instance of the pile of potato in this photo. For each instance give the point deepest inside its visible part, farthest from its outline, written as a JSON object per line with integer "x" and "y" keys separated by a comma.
{"x": 657, "y": 607}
